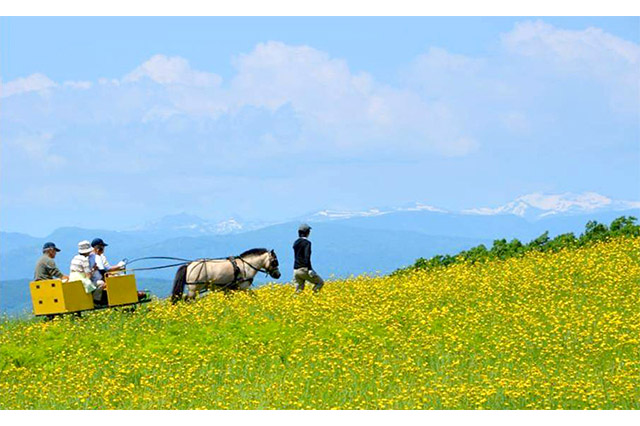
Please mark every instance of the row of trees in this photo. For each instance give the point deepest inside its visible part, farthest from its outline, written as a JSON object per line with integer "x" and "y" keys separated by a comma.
{"x": 501, "y": 249}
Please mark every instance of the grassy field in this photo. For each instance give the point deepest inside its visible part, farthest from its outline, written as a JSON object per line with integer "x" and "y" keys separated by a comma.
{"x": 543, "y": 331}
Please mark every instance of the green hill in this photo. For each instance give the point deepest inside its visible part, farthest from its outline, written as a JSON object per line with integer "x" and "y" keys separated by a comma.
{"x": 545, "y": 330}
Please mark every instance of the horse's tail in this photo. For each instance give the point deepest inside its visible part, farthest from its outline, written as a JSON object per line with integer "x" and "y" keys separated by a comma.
{"x": 178, "y": 284}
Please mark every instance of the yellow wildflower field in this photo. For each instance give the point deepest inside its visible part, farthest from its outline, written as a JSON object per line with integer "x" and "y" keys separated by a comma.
{"x": 542, "y": 331}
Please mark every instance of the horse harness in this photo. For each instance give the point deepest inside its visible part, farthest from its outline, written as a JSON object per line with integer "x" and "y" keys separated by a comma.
{"x": 237, "y": 280}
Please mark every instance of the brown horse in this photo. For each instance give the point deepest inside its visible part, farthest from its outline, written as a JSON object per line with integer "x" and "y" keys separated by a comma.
{"x": 232, "y": 273}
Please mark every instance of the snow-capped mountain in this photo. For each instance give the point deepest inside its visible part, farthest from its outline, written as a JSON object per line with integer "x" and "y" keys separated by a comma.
{"x": 187, "y": 224}
{"x": 324, "y": 215}
{"x": 228, "y": 227}
{"x": 420, "y": 207}
{"x": 342, "y": 214}
{"x": 532, "y": 207}
{"x": 538, "y": 206}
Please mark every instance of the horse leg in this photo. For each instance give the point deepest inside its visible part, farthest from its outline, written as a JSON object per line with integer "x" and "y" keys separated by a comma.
{"x": 191, "y": 292}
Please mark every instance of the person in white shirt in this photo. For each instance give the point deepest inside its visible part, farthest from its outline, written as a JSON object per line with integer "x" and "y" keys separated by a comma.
{"x": 100, "y": 265}
{"x": 80, "y": 268}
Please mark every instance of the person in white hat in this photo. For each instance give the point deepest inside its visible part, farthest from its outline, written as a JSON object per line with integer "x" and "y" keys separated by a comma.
{"x": 81, "y": 271}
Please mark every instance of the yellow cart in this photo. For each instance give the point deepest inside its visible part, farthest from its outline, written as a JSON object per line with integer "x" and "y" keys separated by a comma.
{"x": 54, "y": 297}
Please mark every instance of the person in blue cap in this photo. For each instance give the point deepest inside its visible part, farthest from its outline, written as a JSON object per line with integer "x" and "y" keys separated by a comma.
{"x": 100, "y": 266}
{"x": 302, "y": 269}
{"x": 99, "y": 263}
{"x": 46, "y": 268}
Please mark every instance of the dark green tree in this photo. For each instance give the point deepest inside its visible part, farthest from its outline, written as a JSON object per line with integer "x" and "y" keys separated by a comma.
{"x": 501, "y": 249}
{"x": 539, "y": 243}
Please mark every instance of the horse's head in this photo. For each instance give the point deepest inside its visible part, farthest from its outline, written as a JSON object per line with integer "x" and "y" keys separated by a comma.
{"x": 272, "y": 264}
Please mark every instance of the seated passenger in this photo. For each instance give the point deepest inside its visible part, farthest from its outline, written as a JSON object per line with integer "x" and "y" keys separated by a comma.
{"x": 46, "y": 268}
{"x": 100, "y": 266}
{"x": 81, "y": 271}
{"x": 99, "y": 263}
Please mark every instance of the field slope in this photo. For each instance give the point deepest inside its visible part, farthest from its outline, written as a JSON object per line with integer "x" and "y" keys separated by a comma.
{"x": 547, "y": 330}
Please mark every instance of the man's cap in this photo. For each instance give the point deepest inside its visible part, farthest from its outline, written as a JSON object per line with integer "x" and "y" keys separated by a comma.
{"x": 49, "y": 245}
{"x": 304, "y": 228}
{"x": 98, "y": 242}
{"x": 84, "y": 247}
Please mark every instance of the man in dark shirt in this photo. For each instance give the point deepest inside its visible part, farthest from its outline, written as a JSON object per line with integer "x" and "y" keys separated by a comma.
{"x": 302, "y": 270}
{"x": 46, "y": 268}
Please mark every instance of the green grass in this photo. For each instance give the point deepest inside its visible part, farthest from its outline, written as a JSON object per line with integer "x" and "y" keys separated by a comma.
{"x": 545, "y": 331}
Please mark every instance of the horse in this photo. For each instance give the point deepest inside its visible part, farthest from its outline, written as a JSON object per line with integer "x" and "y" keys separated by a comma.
{"x": 232, "y": 273}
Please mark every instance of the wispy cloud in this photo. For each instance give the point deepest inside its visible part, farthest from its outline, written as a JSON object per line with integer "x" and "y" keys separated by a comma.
{"x": 32, "y": 83}
{"x": 590, "y": 53}
{"x": 81, "y": 85}
{"x": 172, "y": 70}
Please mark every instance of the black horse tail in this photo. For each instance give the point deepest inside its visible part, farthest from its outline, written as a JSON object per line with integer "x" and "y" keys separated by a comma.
{"x": 178, "y": 284}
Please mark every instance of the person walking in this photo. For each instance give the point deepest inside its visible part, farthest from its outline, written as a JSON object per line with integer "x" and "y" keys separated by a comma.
{"x": 46, "y": 268}
{"x": 302, "y": 269}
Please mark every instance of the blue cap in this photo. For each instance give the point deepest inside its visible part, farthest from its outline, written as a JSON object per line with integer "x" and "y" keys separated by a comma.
{"x": 98, "y": 242}
{"x": 49, "y": 245}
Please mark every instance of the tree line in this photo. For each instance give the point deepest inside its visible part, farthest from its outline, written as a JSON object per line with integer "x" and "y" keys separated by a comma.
{"x": 503, "y": 249}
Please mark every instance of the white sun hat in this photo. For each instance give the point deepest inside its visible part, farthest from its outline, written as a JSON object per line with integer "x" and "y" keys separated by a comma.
{"x": 84, "y": 247}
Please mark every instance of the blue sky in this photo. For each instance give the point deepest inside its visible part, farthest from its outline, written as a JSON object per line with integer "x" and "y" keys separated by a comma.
{"x": 110, "y": 122}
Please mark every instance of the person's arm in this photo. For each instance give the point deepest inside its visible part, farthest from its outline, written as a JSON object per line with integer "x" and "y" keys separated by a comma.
{"x": 117, "y": 267}
{"x": 106, "y": 266}
{"x": 53, "y": 269}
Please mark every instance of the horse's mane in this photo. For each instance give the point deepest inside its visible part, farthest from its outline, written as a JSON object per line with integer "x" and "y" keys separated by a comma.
{"x": 254, "y": 251}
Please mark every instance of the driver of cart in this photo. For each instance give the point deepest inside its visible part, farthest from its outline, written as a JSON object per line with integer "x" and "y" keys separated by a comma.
{"x": 82, "y": 271}
{"x": 99, "y": 263}
{"x": 46, "y": 268}
{"x": 100, "y": 266}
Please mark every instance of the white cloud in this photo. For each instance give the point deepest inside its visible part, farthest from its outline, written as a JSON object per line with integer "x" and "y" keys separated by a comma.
{"x": 585, "y": 49}
{"x": 81, "y": 85}
{"x": 297, "y": 99}
{"x": 172, "y": 70}
{"x": 274, "y": 74}
{"x": 440, "y": 73}
{"x": 33, "y": 83}
{"x": 590, "y": 53}
{"x": 350, "y": 109}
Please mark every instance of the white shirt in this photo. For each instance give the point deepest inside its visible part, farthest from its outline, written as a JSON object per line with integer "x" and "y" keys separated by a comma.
{"x": 101, "y": 262}
{"x": 80, "y": 263}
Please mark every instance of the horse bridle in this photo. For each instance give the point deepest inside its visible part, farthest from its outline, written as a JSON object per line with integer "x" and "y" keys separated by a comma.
{"x": 274, "y": 265}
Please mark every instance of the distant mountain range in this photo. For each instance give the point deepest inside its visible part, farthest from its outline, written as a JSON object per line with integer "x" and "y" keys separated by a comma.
{"x": 532, "y": 207}
{"x": 344, "y": 242}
